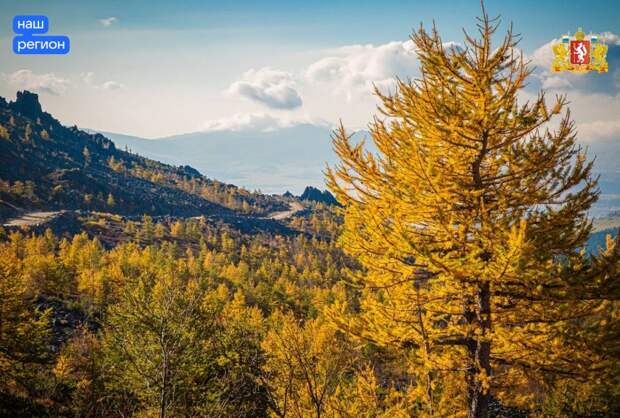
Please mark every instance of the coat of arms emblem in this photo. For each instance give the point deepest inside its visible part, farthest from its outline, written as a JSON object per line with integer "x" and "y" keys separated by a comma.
{"x": 580, "y": 54}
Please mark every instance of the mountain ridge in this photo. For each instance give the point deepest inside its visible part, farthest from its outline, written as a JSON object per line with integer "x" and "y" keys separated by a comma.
{"x": 45, "y": 165}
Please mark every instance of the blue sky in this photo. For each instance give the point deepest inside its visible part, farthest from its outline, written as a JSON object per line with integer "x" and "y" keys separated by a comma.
{"x": 154, "y": 68}
{"x": 325, "y": 23}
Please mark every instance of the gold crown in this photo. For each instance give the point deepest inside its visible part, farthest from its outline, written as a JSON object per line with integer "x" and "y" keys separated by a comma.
{"x": 579, "y": 35}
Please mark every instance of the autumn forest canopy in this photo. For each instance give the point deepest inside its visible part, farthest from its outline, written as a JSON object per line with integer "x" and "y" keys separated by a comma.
{"x": 450, "y": 278}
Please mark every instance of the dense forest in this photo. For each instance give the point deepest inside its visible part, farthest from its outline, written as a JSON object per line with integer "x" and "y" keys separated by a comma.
{"x": 451, "y": 279}
{"x": 203, "y": 320}
{"x": 203, "y": 308}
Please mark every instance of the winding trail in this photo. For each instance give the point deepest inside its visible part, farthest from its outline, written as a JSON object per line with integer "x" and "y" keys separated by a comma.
{"x": 32, "y": 218}
{"x": 294, "y": 207}
{"x": 41, "y": 217}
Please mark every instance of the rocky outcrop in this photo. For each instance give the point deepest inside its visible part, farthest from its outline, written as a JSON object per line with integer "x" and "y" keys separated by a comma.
{"x": 315, "y": 195}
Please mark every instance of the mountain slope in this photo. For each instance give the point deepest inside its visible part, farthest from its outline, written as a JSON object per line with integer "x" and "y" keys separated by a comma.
{"x": 44, "y": 165}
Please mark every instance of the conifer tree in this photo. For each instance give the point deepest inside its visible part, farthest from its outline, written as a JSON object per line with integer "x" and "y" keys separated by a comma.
{"x": 469, "y": 222}
{"x": 156, "y": 339}
{"x": 25, "y": 333}
{"x": 80, "y": 367}
{"x": 306, "y": 364}
{"x": 4, "y": 133}
{"x": 110, "y": 200}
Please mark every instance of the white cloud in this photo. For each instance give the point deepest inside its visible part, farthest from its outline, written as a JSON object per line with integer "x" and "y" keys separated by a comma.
{"x": 542, "y": 57}
{"x": 27, "y": 80}
{"x": 111, "y": 85}
{"x": 555, "y": 82}
{"x": 258, "y": 121}
{"x": 352, "y": 70}
{"x": 338, "y": 84}
{"x": 599, "y": 130}
{"x": 268, "y": 86}
{"x": 89, "y": 79}
{"x": 108, "y": 21}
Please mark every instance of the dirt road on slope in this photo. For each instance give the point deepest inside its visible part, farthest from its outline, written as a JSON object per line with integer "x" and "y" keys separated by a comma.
{"x": 32, "y": 218}
{"x": 294, "y": 207}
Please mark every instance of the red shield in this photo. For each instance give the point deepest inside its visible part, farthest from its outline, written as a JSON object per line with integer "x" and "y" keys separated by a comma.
{"x": 579, "y": 52}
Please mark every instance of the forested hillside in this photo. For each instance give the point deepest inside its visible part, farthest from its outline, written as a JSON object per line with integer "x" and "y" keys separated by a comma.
{"x": 44, "y": 165}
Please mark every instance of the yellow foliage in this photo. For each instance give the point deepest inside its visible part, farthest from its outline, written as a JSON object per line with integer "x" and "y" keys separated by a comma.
{"x": 468, "y": 222}
{"x": 306, "y": 363}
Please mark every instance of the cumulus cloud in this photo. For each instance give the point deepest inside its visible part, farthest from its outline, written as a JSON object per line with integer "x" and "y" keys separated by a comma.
{"x": 354, "y": 69}
{"x": 27, "y": 80}
{"x": 350, "y": 72}
{"x": 271, "y": 87}
{"x": 108, "y": 21}
{"x": 89, "y": 79}
{"x": 111, "y": 85}
{"x": 555, "y": 82}
{"x": 599, "y": 130}
{"x": 258, "y": 121}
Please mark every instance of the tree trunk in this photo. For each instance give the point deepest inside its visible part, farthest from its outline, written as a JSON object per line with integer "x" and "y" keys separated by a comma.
{"x": 478, "y": 396}
{"x": 164, "y": 385}
{"x": 427, "y": 350}
{"x": 162, "y": 401}
{"x": 477, "y": 401}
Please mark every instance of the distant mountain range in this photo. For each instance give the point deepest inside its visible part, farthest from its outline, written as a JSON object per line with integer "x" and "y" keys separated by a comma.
{"x": 291, "y": 158}
{"x": 272, "y": 162}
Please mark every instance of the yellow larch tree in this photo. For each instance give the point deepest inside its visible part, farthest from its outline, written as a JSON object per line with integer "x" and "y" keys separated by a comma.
{"x": 306, "y": 364}
{"x": 468, "y": 220}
